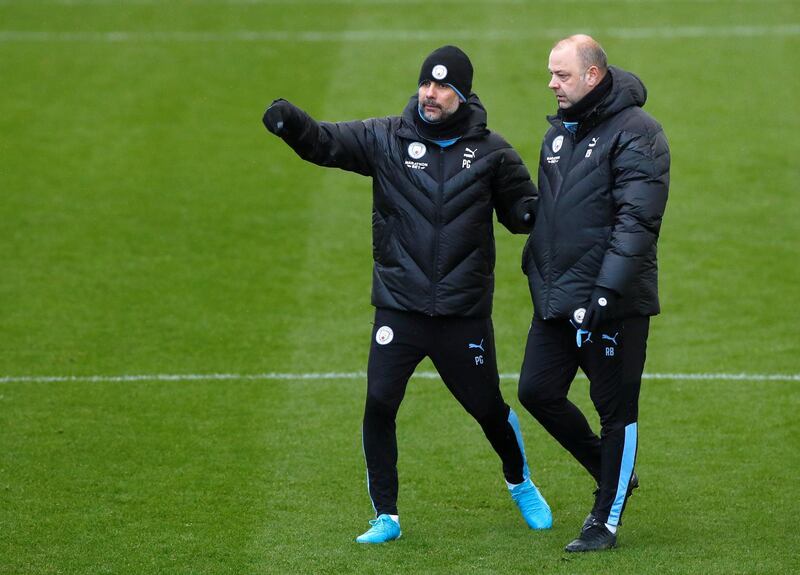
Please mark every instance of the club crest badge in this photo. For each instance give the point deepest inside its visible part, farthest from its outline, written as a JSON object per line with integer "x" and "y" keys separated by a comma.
{"x": 557, "y": 143}
{"x": 439, "y": 72}
{"x": 416, "y": 150}
{"x": 384, "y": 335}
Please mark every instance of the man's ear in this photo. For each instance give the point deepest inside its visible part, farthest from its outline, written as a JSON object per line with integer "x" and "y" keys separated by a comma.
{"x": 593, "y": 76}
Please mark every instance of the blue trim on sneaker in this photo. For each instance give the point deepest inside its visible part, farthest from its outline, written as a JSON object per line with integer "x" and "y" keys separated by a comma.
{"x": 513, "y": 421}
{"x": 625, "y": 472}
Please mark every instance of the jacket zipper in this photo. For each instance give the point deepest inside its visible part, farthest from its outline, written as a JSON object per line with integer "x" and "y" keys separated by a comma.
{"x": 437, "y": 224}
{"x": 546, "y": 314}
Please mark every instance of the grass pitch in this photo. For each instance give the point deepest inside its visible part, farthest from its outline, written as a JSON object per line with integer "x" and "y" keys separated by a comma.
{"x": 151, "y": 226}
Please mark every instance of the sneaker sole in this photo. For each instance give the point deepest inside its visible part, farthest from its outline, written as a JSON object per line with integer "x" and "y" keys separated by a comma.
{"x": 378, "y": 542}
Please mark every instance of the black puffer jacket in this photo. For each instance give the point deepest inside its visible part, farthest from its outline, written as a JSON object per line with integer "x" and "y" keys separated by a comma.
{"x": 432, "y": 215}
{"x": 602, "y": 194}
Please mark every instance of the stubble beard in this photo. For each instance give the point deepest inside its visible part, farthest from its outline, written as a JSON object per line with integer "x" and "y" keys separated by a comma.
{"x": 443, "y": 114}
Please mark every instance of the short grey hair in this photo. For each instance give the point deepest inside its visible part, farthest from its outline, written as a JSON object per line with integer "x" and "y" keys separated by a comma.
{"x": 589, "y": 51}
{"x": 592, "y": 54}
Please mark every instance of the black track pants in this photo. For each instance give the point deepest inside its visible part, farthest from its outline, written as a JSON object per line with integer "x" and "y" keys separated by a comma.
{"x": 613, "y": 360}
{"x": 462, "y": 350}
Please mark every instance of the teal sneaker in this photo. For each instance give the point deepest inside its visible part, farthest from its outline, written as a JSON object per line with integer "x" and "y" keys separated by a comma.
{"x": 383, "y": 529}
{"x": 532, "y": 505}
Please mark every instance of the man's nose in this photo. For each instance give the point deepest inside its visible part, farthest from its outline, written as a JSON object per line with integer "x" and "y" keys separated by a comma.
{"x": 553, "y": 83}
{"x": 430, "y": 91}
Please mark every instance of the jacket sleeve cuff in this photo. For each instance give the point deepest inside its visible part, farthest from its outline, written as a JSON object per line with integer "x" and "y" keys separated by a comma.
{"x": 616, "y": 272}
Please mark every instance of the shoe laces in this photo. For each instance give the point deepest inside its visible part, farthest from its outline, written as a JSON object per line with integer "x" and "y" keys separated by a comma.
{"x": 597, "y": 530}
{"x": 527, "y": 497}
{"x": 381, "y": 522}
{"x": 521, "y": 490}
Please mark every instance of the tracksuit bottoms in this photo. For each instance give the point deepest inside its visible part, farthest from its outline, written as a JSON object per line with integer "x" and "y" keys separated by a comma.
{"x": 462, "y": 350}
{"x": 613, "y": 360}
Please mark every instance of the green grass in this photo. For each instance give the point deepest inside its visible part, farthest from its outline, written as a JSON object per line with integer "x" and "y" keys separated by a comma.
{"x": 150, "y": 225}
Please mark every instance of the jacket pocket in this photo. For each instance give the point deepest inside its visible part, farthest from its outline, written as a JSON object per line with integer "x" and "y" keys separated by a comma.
{"x": 386, "y": 236}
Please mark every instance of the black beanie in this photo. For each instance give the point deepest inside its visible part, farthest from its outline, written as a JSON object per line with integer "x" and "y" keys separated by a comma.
{"x": 448, "y": 65}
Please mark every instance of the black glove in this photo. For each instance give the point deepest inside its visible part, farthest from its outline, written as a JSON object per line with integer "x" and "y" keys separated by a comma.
{"x": 530, "y": 213}
{"x": 275, "y": 117}
{"x": 526, "y": 210}
{"x": 600, "y": 309}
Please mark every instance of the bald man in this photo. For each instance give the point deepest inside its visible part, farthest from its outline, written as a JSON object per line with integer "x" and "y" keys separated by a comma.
{"x": 592, "y": 270}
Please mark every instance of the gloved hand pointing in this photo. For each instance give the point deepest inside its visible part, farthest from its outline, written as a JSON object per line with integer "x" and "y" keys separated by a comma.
{"x": 275, "y": 117}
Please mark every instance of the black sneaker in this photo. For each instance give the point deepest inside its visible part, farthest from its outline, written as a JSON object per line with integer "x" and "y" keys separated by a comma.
{"x": 594, "y": 536}
{"x": 634, "y": 484}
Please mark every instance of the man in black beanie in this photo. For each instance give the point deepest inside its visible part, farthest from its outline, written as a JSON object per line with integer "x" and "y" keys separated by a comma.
{"x": 438, "y": 176}
{"x": 592, "y": 269}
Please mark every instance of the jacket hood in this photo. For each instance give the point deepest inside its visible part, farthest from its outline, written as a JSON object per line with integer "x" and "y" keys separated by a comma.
{"x": 476, "y": 121}
{"x": 626, "y": 90}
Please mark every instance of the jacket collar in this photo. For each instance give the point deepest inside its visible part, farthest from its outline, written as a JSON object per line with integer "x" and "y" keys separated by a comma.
{"x": 627, "y": 90}
{"x": 475, "y": 123}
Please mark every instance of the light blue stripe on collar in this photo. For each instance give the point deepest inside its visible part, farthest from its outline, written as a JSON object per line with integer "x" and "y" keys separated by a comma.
{"x": 442, "y": 143}
{"x": 571, "y": 126}
{"x": 445, "y": 143}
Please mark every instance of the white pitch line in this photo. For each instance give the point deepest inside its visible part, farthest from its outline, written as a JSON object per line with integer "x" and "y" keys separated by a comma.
{"x": 388, "y": 35}
{"x": 123, "y": 3}
{"x": 344, "y": 376}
